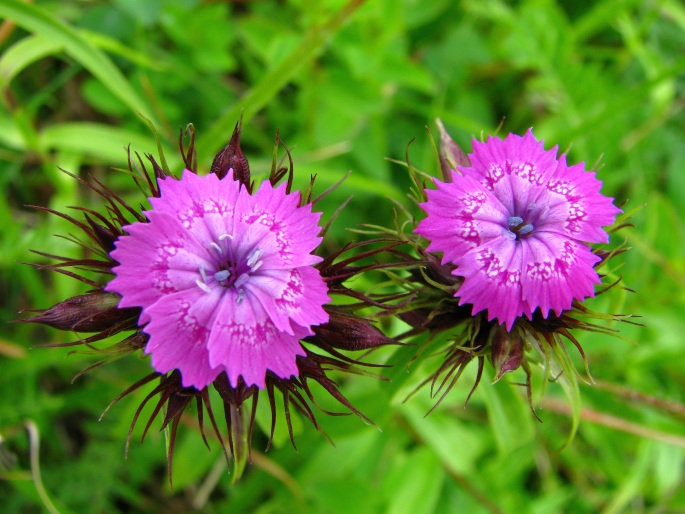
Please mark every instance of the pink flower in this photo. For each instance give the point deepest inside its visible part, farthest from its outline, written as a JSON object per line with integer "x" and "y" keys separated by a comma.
{"x": 516, "y": 223}
{"x": 224, "y": 279}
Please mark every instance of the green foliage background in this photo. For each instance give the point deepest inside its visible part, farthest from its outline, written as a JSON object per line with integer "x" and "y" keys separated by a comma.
{"x": 349, "y": 83}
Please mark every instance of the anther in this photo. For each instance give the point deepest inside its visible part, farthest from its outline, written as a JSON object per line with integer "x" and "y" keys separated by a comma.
{"x": 216, "y": 247}
{"x": 222, "y": 275}
{"x": 203, "y": 286}
{"x": 241, "y": 280}
{"x": 526, "y": 229}
{"x": 514, "y": 221}
{"x": 254, "y": 257}
{"x": 544, "y": 213}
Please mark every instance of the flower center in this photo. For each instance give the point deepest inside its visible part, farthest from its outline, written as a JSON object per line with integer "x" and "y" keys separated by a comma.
{"x": 520, "y": 227}
{"x": 230, "y": 272}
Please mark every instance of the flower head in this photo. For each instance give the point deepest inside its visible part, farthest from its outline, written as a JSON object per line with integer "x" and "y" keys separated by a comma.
{"x": 224, "y": 279}
{"x": 516, "y": 223}
{"x": 218, "y": 283}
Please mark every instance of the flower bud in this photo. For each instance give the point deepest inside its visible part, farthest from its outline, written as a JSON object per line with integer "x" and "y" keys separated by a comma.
{"x": 507, "y": 351}
{"x": 347, "y": 331}
{"x": 451, "y": 155}
{"x": 232, "y": 157}
{"x": 93, "y": 312}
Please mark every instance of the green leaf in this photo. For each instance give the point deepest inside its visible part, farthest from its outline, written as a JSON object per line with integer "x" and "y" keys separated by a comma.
{"x": 23, "y": 53}
{"x": 569, "y": 383}
{"x": 508, "y": 412}
{"x": 39, "y": 21}
{"x": 455, "y": 444}
{"x": 259, "y": 95}
{"x": 418, "y": 488}
{"x": 95, "y": 139}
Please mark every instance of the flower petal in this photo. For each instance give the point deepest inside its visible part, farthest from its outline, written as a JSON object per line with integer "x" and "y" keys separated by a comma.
{"x": 155, "y": 266}
{"x": 492, "y": 274}
{"x": 461, "y": 216}
{"x": 246, "y": 343}
{"x": 576, "y": 207}
{"x": 555, "y": 271}
{"x": 293, "y": 296}
{"x": 512, "y": 168}
{"x": 179, "y": 333}
{"x": 293, "y": 229}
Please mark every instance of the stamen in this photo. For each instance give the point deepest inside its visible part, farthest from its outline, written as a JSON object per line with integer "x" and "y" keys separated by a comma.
{"x": 531, "y": 206}
{"x": 203, "y": 286}
{"x": 508, "y": 234}
{"x": 254, "y": 257}
{"x": 526, "y": 229}
{"x": 257, "y": 266}
{"x": 514, "y": 221}
{"x": 222, "y": 275}
{"x": 544, "y": 213}
{"x": 223, "y": 237}
{"x": 241, "y": 280}
{"x": 203, "y": 274}
{"x": 241, "y": 296}
{"x": 216, "y": 247}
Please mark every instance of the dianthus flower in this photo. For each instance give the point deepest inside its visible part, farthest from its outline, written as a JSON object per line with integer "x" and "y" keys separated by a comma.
{"x": 224, "y": 279}
{"x": 516, "y": 223}
{"x": 507, "y": 265}
{"x": 219, "y": 284}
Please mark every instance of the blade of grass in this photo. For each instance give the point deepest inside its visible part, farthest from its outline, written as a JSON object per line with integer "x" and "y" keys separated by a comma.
{"x": 273, "y": 81}
{"x": 37, "y": 20}
{"x": 23, "y": 53}
{"x": 94, "y": 139}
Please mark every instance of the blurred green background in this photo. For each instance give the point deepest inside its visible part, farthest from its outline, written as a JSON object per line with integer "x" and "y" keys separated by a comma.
{"x": 348, "y": 84}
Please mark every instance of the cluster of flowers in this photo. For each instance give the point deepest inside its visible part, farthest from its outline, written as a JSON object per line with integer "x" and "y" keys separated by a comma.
{"x": 225, "y": 285}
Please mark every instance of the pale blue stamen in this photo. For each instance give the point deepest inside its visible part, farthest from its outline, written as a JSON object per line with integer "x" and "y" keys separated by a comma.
{"x": 544, "y": 213}
{"x": 526, "y": 229}
{"x": 216, "y": 247}
{"x": 203, "y": 286}
{"x": 222, "y": 275}
{"x": 254, "y": 257}
{"x": 508, "y": 234}
{"x": 514, "y": 221}
{"x": 241, "y": 280}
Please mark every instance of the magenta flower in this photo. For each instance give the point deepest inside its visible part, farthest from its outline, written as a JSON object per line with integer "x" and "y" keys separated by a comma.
{"x": 516, "y": 223}
{"x": 224, "y": 279}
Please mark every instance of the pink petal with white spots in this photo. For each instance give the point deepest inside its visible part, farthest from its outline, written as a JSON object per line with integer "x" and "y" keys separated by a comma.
{"x": 576, "y": 207}
{"x": 555, "y": 271}
{"x": 511, "y": 168}
{"x": 246, "y": 343}
{"x": 293, "y": 230}
{"x": 292, "y": 297}
{"x": 459, "y": 218}
{"x": 159, "y": 266}
{"x": 178, "y": 336}
{"x": 492, "y": 275}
